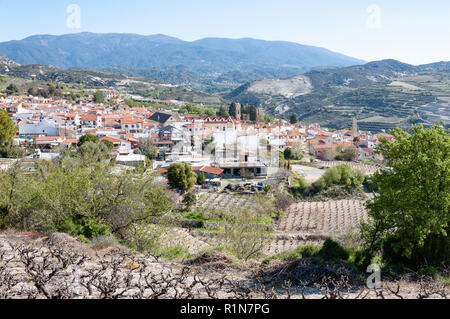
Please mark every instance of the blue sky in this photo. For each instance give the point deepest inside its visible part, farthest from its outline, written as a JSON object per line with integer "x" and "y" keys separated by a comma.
{"x": 413, "y": 31}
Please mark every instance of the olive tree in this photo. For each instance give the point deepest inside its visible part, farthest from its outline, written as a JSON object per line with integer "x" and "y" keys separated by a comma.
{"x": 409, "y": 215}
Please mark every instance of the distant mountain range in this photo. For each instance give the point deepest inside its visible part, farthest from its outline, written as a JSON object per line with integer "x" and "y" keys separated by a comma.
{"x": 381, "y": 94}
{"x": 200, "y": 64}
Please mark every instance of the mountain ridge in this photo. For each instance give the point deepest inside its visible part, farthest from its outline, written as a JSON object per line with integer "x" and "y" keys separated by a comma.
{"x": 168, "y": 58}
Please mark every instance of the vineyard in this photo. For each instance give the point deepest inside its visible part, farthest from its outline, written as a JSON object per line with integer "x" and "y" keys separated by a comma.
{"x": 225, "y": 201}
{"x": 322, "y": 217}
{"x": 301, "y": 223}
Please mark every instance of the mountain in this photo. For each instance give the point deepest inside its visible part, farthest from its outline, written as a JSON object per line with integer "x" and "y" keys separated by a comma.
{"x": 203, "y": 62}
{"x": 381, "y": 94}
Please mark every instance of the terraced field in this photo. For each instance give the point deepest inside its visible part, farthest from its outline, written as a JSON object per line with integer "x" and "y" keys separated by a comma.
{"x": 302, "y": 223}
{"x": 322, "y": 218}
{"x": 225, "y": 201}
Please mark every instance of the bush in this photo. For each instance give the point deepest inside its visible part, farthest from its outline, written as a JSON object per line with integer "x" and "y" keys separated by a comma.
{"x": 361, "y": 258}
{"x": 429, "y": 271}
{"x": 12, "y": 152}
{"x": 299, "y": 183}
{"x": 333, "y": 251}
{"x": 339, "y": 175}
{"x": 306, "y": 251}
{"x": 83, "y": 227}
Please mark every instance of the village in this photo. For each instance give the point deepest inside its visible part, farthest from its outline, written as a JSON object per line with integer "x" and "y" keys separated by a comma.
{"x": 220, "y": 147}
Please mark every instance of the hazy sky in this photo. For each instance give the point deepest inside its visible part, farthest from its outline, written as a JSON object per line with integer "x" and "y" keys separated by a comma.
{"x": 413, "y": 31}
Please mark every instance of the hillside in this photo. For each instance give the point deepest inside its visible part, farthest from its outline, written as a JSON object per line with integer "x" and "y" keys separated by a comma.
{"x": 35, "y": 75}
{"x": 203, "y": 63}
{"x": 381, "y": 94}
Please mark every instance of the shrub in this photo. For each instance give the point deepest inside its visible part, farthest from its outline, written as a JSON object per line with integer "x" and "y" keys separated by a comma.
{"x": 333, "y": 251}
{"x": 305, "y": 251}
{"x": 429, "y": 271}
{"x": 189, "y": 200}
{"x": 361, "y": 258}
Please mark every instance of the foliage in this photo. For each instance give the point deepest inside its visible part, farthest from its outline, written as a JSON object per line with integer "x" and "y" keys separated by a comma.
{"x": 293, "y": 118}
{"x": 299, "y": 183}
{"x": 245, "y": 239}
{"x": 347, "y": 154}
{"x": 87, "y": 138}
{"x": 12, "y": 89}
{"x": 175, "y": 252}
{"x": 12, "y": 152}
{"x": 293, "y": 154}
{"x": 332, "y": 251}
{"x": 201, "y": 179}
{"x": 84, "y": 201}
{"x": 181, "y": 176}
{"x": 409, "y": 216}
{"x": 189, "y": 200}
{"x": 339, "y": 175}
{"x": 99, "y": 97}
{"x": 300, "y": 252}
{"x": 7, "y": 128}
{"x": 108, "y": 144}
{"x": 146, "y": 145}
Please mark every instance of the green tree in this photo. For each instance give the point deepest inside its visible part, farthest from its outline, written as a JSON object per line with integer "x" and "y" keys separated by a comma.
{"x": 293, "y": 118}
{"x": 12, "y": 89}
{"x": 87, "y": 138}
{"x": 349, "y": 153}
{"x": 109, "y": 144}
{"x": 51, "y": 89}
{"x": 99, "y": 97}
{"x": 222, "y": 111}
{"x": 181, "y": 176}
{"x": 288, "y": 153}
{"x": 297, "y": 154}
{"x": 409, "y": 215}
{"x": 7, "y": 128}
{"x": 253, "y": 113}
{"x": 189, "y": 200}
{"x": 83, "y": 201}
{"x": 232, "y": 110}
{"x": 201, "y": 179}
{"x": 268, "y": 118}
{"x": 146, "y": 145}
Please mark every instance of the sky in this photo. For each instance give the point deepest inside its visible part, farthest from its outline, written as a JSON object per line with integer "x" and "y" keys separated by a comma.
{"x": 412, "y": 31}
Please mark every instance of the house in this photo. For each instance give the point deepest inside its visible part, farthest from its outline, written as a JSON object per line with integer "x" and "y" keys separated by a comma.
{"x": 49, "y": 140}
{"x": 44, "y": 127}
{"x": 209, "y": 172}
{"x": 91, "y": 120}
{"x": 165, "y": 118}
{"x": 132, "y": 125}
